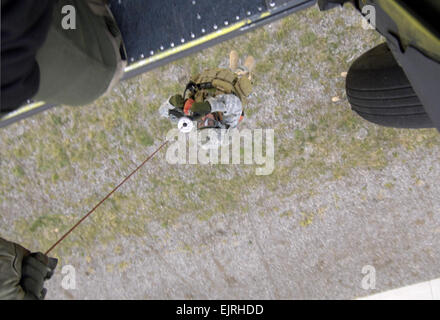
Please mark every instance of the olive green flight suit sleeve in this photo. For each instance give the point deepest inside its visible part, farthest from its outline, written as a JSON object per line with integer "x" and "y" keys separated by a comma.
{"x": 11, "y": 257}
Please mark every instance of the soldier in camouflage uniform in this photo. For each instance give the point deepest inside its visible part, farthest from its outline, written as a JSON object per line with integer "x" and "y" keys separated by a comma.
{"x": 216, "y": 96}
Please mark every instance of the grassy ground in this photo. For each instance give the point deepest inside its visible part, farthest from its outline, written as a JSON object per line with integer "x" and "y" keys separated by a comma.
{"x": 55, "y": 166}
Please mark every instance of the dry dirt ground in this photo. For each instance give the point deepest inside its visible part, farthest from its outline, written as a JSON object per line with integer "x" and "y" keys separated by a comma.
{"x": 344, "y": 193}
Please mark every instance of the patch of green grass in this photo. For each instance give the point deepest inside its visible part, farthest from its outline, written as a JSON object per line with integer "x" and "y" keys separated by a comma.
{"x": 308, "y": 39}
{"x": 389, "y": 185}
{"x": 143, "y": 137}
{"x": 45, "y": 221}
{"x": 55, "y": 177}
{"x": 18, "y": 171}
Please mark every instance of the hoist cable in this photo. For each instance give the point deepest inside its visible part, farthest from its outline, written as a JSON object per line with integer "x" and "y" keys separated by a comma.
{"x": 105, "y": 198}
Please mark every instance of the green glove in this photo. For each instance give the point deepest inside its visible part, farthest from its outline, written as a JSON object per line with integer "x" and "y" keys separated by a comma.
{"x": 201, "y": 108}
{"x": 22, "y": 274}
{"x": 36, "y": 268}
{"x": 177, "y": 101}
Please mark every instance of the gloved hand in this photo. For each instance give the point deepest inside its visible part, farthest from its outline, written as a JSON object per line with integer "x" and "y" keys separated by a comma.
{"x": 22, "y": 274}
{"x": 177, "y": 101}
{"x": 36, "y": 268}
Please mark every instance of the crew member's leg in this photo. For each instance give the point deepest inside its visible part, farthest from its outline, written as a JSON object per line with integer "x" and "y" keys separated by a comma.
{"x": 81, "y": 59}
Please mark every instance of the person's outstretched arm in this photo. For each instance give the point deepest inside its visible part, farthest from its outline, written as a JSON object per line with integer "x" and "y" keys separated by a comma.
{"x": 24, "y": 27}
{"x": 22, "y": 273}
